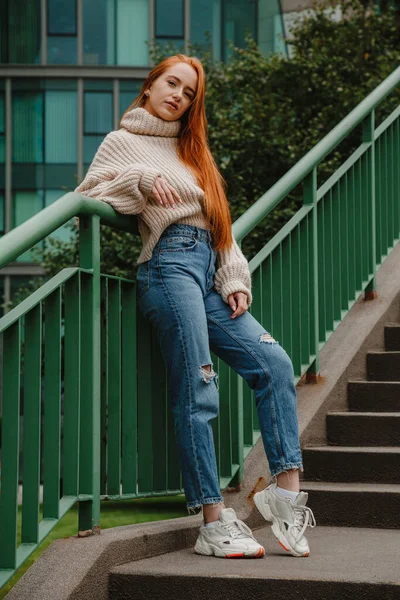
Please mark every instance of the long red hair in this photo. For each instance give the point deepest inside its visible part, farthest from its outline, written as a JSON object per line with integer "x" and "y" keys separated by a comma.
{"x": 193, "y": 150}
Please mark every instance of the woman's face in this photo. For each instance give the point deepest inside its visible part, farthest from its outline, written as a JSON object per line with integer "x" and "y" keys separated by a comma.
{"x": 176, "y": 86}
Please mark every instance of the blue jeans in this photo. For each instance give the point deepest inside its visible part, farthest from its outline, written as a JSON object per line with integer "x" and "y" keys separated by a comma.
{"x": 176, "y": 295}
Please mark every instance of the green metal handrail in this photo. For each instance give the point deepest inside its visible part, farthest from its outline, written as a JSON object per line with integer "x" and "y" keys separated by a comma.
{"x": 86, "y": 328}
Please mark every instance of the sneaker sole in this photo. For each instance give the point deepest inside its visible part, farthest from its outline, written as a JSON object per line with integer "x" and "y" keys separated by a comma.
{"x": 267, "y": 514}
{"x": 208, "y": 550}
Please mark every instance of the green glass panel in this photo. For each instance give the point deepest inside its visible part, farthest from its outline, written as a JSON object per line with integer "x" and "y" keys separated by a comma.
{"x": 61, "y": 17}
{"x": 61, "y": 124}
{"x": 2, "y": 113}
{"x": 169, "y": 18}
{"x": 25, "y": 205}
{"x": 99, "y": 32}
{"x": 27, "y": 127}
{"x": 63, "y": 233}
{"x": 2, "y": 139}
{"x": 238, "y": 16}
{"x": 1, "y": 296}
{"x": 270, "y": 27}
{"x": 132, "y": 32}
{"x": 25, "y": 84}
{"x": 127, "y": 94}
{"x": 27, "y": 177}
{"x": 98, "y": 112}
{"x": 20, "y": 20}
{"x": 60, "y": 84}
{"x": 62, "y": 50}
{"x": 98, "y": 85}
{"x": 205, "y": 16}
{"x": 1, "y": 212}
{"x": 90, "y": 146}
{"x": 63, "y": 177}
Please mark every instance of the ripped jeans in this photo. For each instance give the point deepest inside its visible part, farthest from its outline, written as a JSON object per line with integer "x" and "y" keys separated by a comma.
{"x": 176, "y": 295}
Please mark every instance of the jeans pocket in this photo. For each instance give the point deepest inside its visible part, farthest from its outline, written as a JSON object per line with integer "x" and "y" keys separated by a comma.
{"x": 178, "y": 243}
{"x": 143, "y": 279}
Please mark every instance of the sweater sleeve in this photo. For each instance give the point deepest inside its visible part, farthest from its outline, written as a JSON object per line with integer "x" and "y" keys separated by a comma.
{"x": 113, "y": 179}
{"x": 232, "y": 273}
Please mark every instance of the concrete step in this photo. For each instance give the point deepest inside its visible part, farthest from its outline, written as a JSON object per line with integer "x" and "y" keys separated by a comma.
{"x": 354, "y": 504}
{"x": 378, "y": 464}
{"x": 392, "y": 337}
{"x": 383, "y": 366}
{"x": 344, "y": 563}
{"x": 371, "y": 396}
{"x": 363, "y": 428}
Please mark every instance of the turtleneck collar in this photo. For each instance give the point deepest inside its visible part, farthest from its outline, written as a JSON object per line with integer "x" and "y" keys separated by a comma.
{"x": 140, "y": 121}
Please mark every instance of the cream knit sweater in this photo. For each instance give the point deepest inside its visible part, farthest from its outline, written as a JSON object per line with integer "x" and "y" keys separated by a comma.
{"x": 123, "y": 173}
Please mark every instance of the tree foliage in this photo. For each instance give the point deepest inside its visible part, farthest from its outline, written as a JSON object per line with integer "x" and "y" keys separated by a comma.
{"x": 265, "y": 113}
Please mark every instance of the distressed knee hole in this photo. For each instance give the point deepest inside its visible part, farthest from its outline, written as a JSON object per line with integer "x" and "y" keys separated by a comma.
{"x": 208, "y": 373}
{"x": 267, "y": 338}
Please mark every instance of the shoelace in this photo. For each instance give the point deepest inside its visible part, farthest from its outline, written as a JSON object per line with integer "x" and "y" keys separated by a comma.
{"x": 237, "y": 529}
{"x": 303, "y": 517}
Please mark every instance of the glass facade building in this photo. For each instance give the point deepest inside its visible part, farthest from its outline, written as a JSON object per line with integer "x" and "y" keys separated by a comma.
{"x": 70, "y": 68}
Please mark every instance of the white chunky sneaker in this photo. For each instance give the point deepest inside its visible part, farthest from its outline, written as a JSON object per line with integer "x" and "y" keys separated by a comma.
{"x": 289, "y": 518}
{"x": 229, "y": 538}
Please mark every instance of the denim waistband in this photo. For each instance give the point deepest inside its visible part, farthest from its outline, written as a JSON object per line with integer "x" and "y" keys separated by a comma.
{"x": 182, "y": 229}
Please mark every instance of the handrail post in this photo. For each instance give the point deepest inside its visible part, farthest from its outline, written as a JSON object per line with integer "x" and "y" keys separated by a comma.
{"x": 89, "y": 454}
{"x": 368, "y": 135}
{"x": 310, "y": 197}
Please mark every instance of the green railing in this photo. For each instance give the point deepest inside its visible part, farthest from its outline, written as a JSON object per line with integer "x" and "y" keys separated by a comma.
{"x": 79, "y": 342}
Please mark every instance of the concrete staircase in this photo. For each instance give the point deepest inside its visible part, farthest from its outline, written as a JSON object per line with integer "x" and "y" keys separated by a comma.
{"x": 355, "y": 480}
{"x": 354, "y": 488}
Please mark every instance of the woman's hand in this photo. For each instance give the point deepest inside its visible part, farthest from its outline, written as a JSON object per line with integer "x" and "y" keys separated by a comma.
{"x": 165, "y": 193}
{"x": 238, "y": 302}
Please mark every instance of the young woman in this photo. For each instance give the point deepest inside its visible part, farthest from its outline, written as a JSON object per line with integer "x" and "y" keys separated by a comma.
{"x": 194, "y": 287}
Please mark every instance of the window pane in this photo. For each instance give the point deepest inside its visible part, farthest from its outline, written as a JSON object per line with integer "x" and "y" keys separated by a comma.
{"x": 270, "y": 27}
{"x": 66, "y": 85}
{"x": 60, "y": 175}
{"x": 98, "y": 112}
{"x": 27, "y": 176}
{"x": 2, "y": 139}
{"x": 239, "y": 16}
{"x": 61, "y": 17}
{"x": 26, "y": 204}
{"x": 1, "y": 212}
{"x": 90, "y": 146}
{"x": 128, "y": 92}
{"x": 132, "y": 32}
{"x": 61, "y": 50}
{"x": 61, "y": 127}
{"x": 99, "y": 32}
{"x": 20, "y": 31}
{"x": 1, "y": 296}
{"x": 3, "y": 33}
{"x": 98, "y": 85}
{"x": 205, "y": 15}
{"x": 169, "y": 18}
{"x": 1, "y": 113}
{"x": 62, "y": 233}
{"x": 27, "y": 136}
